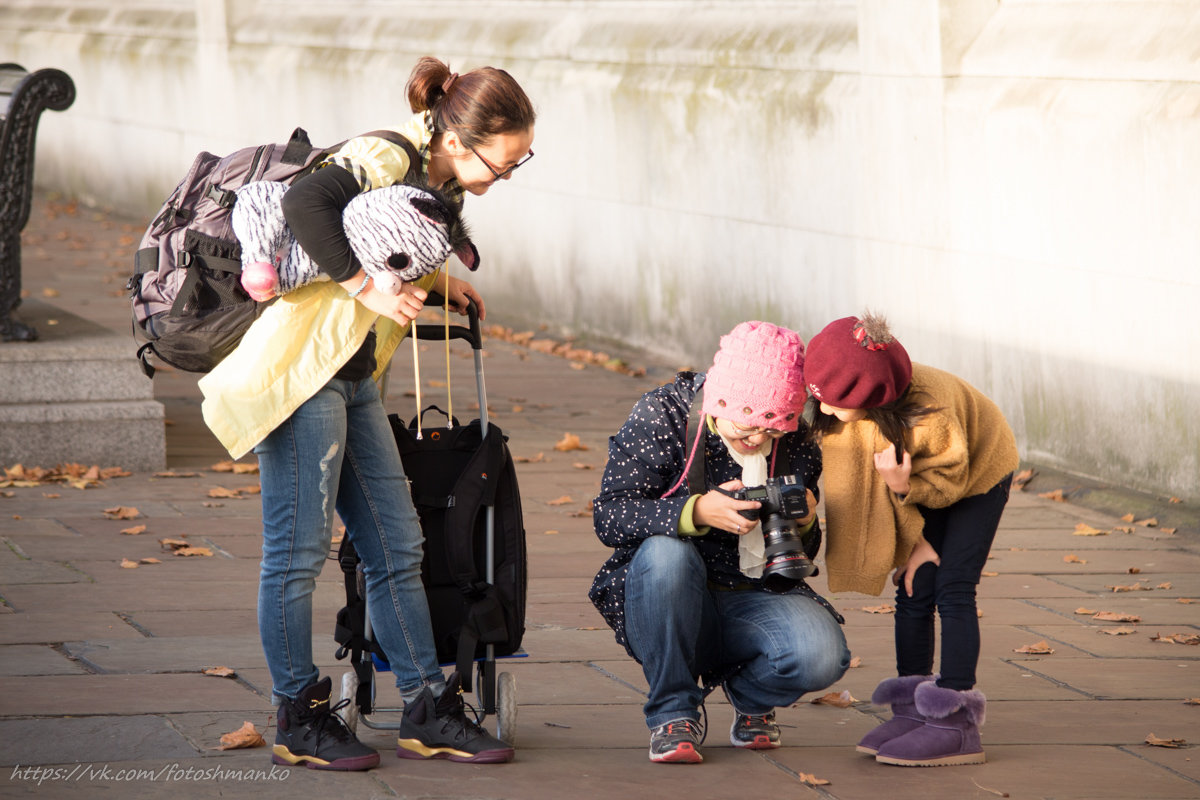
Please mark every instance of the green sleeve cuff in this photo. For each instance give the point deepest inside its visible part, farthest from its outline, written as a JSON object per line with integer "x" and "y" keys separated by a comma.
{"x": 687, "y": 526}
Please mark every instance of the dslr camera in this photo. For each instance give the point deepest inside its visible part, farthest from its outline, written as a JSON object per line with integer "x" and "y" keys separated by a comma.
{"x": 784, "y": 501}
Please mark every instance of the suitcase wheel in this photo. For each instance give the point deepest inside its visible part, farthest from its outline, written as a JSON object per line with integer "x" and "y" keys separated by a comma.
{"x": 506, "y": 708}
{"x": 349, "y": 711}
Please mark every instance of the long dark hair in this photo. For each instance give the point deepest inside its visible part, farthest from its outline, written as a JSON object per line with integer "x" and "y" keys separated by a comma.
{"x": 892, "y": 419}
{"x": 478, "y": 105}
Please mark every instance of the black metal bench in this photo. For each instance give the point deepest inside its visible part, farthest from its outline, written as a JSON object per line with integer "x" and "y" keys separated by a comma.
{"x": 24, "y": 96}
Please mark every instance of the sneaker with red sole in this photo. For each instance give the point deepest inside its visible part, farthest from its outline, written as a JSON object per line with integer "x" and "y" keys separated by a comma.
{"x": 755, "y": 731}
{"x": 676, "y": 742}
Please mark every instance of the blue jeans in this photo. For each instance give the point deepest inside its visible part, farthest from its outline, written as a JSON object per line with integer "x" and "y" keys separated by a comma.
{"x": 962, "y": 535}
{"x": 337, "y": 453}
{"x": 773, "y": 648}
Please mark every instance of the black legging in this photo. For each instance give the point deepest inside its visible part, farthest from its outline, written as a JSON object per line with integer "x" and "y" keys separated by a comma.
{"x": 962, "y": 535}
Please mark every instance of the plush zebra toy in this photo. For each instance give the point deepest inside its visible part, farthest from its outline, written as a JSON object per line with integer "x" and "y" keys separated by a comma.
{"x": 399, "y": 233}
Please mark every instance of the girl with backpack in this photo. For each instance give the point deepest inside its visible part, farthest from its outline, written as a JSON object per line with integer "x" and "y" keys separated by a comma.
{"x": 300, "y": 390}
{"x": 918, "y": 465}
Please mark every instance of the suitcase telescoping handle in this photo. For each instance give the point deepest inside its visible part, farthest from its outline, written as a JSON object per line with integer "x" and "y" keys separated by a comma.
{"x": 469, "y": 333}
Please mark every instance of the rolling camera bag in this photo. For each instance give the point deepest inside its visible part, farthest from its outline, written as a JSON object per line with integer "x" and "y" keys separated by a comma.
{"x": 457, "y": 477}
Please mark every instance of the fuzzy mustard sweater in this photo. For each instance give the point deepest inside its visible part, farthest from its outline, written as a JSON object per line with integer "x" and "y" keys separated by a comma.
{"x": 963, "y": 449}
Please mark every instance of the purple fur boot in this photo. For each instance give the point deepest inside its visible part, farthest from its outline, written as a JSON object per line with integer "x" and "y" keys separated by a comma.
{"x": 950, "y": 734}
{"x": 897, "y": 693}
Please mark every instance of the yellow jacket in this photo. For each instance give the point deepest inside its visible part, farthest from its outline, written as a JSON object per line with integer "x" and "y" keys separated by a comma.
{"x": 963, "y": 449}
{"x": 291, "y": 351}
{"x": 303, "y": 338}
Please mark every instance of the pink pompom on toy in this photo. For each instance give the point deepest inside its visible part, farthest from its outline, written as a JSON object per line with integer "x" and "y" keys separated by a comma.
{"x": 260, "y": 280}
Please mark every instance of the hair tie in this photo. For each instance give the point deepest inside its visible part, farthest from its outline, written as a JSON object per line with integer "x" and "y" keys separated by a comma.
{"x": 449, "y": 82}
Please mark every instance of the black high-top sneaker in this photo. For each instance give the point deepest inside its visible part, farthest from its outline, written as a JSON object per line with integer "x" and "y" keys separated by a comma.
{"x": 441, "y": 729}
{"x": 308, "y": 732}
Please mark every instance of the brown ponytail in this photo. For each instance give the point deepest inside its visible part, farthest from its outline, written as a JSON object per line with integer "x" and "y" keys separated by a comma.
{"x": 478, "y": 105}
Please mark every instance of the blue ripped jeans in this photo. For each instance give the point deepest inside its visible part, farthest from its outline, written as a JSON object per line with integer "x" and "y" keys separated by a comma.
{"x": 773, "y": 647}
{"x": 337, "y": 453}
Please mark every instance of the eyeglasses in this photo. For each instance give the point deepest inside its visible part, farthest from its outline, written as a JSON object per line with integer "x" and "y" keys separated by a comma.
{"x": 504, "y": 174}
{"x": 746, "y": 433}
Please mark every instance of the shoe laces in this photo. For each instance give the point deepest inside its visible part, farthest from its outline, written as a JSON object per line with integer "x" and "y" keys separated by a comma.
{"x": 691, "y": 729}
{"x": 451, "y": 708}
{"x": 757, "y": 720}
{"x": 325, "y": 721}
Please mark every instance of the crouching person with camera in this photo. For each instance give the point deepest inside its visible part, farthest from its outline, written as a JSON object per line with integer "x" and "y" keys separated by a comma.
{"x": 708, "y": 500}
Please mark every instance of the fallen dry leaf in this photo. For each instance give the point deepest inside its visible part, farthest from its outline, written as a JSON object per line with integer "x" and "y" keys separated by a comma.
{"x": 221, "y": 491}
{"x": 1056, "y": 496}
{"x": 1187, "y": 600}
{"x": 569, "y": 442}
{"x": 841, "y": 699}
{"x": 134, "y": 531}
{"x": 1174, "y": 500}
{"x": 245, "y": 736}
{"x": 1115, "y": 616}
{"x": 173, "y": 544}
{"x": 1071, "y": 558}
{"x": 193, "y": 551}
{"x": 989, "y": 574}
{"x": 1041, "y": 648}
{"x": 1134, "y": 570}
{"x": 1087, "y": 530}
{"x": 560, "y": 501}
{"x": 149, "y": 560}
{"x": 1177, "y": 638}
{"x": 1127, "y": 518}
{"x": 220, "y": 672}
{"x": 235, "y": 467}
{"x": 1149, "y": 522}
{"x": 1021, "y": 478}
{"x": 127, "y": 564}
{"x": 1164, "y": 585}
{"x": 530, "y": 459}
{"x": 173, "y": 474}
{"x": 883, "y": 609}
{"x": 551, "y": 533}
{"x": 1118, "y": 631}
{"x": 1133, "y": 587}
{"x": 581, "y": 465}
{"x": 580, "y": 514}
{"x": 812, "y": 780}
{"x": 855, "y": 662}
{"x": 1192, "y": 701}
{"x": 1082, "y": 610}
{"x": 1154, "y": 741}
{"x": 122, "y": 512}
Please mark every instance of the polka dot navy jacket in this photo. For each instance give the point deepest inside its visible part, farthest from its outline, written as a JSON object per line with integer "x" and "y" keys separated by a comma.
{"x": 645, "y": 459}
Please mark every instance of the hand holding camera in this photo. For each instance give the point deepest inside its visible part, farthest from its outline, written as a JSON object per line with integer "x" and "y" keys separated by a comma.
{"x": 781, "y": 501}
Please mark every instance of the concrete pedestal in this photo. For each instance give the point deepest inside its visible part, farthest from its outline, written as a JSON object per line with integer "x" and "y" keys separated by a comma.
{"x": 76, "y": 395}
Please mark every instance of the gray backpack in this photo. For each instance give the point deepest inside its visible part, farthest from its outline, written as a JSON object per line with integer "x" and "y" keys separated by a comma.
{"x": 189, "y": 307}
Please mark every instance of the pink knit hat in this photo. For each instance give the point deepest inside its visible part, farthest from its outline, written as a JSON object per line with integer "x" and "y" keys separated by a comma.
{"x": 757, "y": 377}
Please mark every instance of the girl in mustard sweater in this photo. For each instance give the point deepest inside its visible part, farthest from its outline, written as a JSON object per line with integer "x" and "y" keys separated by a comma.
{"x": 918, "y": 465}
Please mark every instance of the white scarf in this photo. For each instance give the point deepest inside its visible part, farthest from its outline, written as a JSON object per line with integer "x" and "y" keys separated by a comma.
{"x": 751, "y": 546}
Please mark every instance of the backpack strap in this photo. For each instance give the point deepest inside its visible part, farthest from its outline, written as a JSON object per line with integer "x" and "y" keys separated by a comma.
{"x": 350, "y": 628}
{"x": 401, "y": 141}
{"x": 475, "y": 490}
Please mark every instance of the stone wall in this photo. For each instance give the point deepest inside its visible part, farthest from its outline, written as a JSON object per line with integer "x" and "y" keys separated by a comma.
{"x": 1012, "y": 183}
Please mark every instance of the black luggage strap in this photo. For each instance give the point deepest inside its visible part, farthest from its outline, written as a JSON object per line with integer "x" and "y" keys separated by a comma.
{"x": 475, "y": 490}
{"x": 349, "y": 630}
